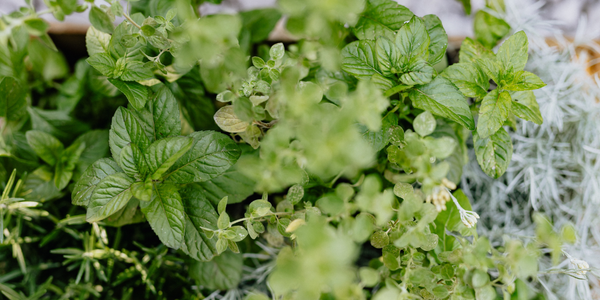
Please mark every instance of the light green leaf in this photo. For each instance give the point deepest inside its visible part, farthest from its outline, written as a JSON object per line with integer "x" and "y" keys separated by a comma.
{"x": 438, "y": 38}
{"x": 525, "y": 106}
{"x": 136, "y": 93}
{"x": 381, "y": 18}
{"x": 494, "y": 110}
{"x": 199, "y": 213}
{"x": 222, "y": 273}
{"x": 489, "y": 29}
{"x": 162, "y": 154}
{"x": 442, "y": 98}
{"x": 211, "y": 155}
{"x": 523, "y": 81}
{"x": 493, "y": 153}
{"x": 12, "y": 99}
{"x": 102, "y": 62}
{"x": 424, "y": 123}
{"x": 413, "y": 40}
{"x": 96, "y": 41}
{"x": 135, "y": 71}
{"x": 129, "y": 214}
{"x": 468, "y": 78}
{"x": 227, "y": 120}
{"x": 46, "y": 146}
{"x": 125, "y": 129}
{"x": 379, "y": 139}
{"x": 110, "y": 195}
{"x": 419, "y": 72}
{"x": 388, "y": 56}
{"x": 491, "y": 68}
{"x": 66, "y": 164}
{"x": 512, "y": 55}
{"x": 471, "y": 50}
{"x": 359, "y": 58}
{"x": 166, "y": 215}
{"x": 382, "y": 83}
{"x": 91, "y": 177}
{"x": 101, "y": 20}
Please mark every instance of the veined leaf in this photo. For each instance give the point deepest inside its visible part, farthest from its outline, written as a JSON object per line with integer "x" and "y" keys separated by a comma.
{"x": 66, "y": 164}
{"x": 438, "y": 38}
{"x": 512, "y": 54}
{"x": 199, "y": 213}
{"x": 493, "y": 153}
{"x": 162, "y": 154}
{"x": 468, "y": 78}
{"x": 165, "y": 114}
{"x": 489, "y": 29}
{"x": 91, "y": 177}
{"x": 96, "y": 147}
{"x": 46, "y": 146}
{"x": 135, "y": 71}
{"x": 211, "y": 155}
{"x": 125, "y": 129}
{"x": 222, "y": 273}
{"x": 233, "y": 184}
{"x": 382, "y": 83}
{"x": 419, "y": 72}
{"x": 166, "y": 215}
{"x": 101, "y": 20}
{"x": 471, "y": 50}
{"x": 96, "y": 41}
{"x": 526, "y": 107}
{"x": 523, "y": 81}
{"x": 494, "y": 110}
{"x": 492, "y": 69}
{"x": 381, "y": 18}
{"x": 103, "y": 62}
{"x": 227, "y": 120}
{"x": 388, "y": 56}
{"x": 129, "y": 214}
{"x": 442, "y": 98}
{"x": 12, "y": 99}
{"x": 132, "y": 161}
{"x": 110, "y": 195}
{"x": 413, "y": 39}
{"x": 359, "y": 58}
{"x": 136, "y": 94}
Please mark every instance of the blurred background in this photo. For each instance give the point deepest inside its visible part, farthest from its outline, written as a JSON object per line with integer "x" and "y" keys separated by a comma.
{"x": 568, "y": 14}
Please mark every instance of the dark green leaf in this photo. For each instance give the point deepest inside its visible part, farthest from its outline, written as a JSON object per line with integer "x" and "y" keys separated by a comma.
{"x": 494, "y": 153}
{"x": 96, "y": 147}
{"x": 199, "y": 213}
{"x": 166, "y": 215}
{"x": 91, "y": 177}
{"x": 526, "y": 107}
{"x": 222, "y": 273}
{"x": 132, "y": 161}
{"x": 110, "y": 195}
{"x": 103, "y": 62}
{"x": 381, "y": 18}
{"x": 162, "y": 154}
{"x": 419, "y": 72}
{"x": 66, "y": 164}
{"x": 12, "y": 99}
{"x": 136, "y": 70}
{"x": 45, "y": 146}
{"x": 232, "y": 184}
{"x": 413, "y": 39}
{"x": 489, "y": 29}
{"x": 101, "y": 20}
{"x": 468, "y": 78}
{"x": 136, "y": 93}
{"x": 359, "y": 58}
{"x": 388, "y": 56}
{"x": 442, "y": 98}
{"x": 467, "y": 6}
{"x": 129, "y": 214}
{"x": 438, "y": 38}
{"x": 494, "y": 110}
{"x": 125, "y": 129}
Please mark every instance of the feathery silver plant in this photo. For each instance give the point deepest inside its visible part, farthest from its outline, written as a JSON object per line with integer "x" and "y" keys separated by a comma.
{"x": 555, "y": 167}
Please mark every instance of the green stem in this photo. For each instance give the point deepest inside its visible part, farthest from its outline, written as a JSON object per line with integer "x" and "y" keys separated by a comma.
{"x": 132, "y": 21}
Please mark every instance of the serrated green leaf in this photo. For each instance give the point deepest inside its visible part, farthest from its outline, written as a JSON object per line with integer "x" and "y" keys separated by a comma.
{"x": 489, "y": 29}
{"x": 129, "y": 214}
{"x": 413, "y": 40}
{"x": 493, "y": 153}
{"x": 210, "y": 156}
{"x": 199, "y": 213}
{"x": 125, "y": 129}
{"x": 46, "y": 146}
{"x": 470, "y": 50}
{"x": 525, "y": 106}
{"x": 12, "y": 99}
{"x": 388, "y": 56}
{"x": 381, "y": 18}
{"x": 382, "y": 83}
{"x": 222, "y": 273}
{"x": 442, "y": 98}
{"x": 438, "y": 38}
{"x": 166, "y": 215}
{"x": 110, "y": 195}
{"x": 162, "y": 154}
{"x": 91, "y": 177}
{"x": 136, "y": 71}
{"x": 103, "y": 62}
{"x": 494, "y": 110}
{"x": 359, "y": 58}
{"x": 523, "y": 81}
{"x": 136, "y": 93}
{"x": 101, "y": 20}
{"x": 96, "y": 41}
{"x": 491, "y": 68}
{"x": 233, "y": 184}
{"x": 132, "y": 161}
{"x": 512, "y": 54}
{"x": 468, "y": 78}
{"x": 419, "y": 72}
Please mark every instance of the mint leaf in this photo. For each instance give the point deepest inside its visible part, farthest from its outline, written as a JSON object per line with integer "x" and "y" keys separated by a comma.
{"x": 442, "y": 98}
{"x": 388, "y": 56}
{"x": 165, "y": 114}
{"x": 101, "y": 20}
{"x": 494, "y": 110}
{"x": 526, "y": 107}
{"x": 412, "y": 39}
{"x": 211, "y": 155}
{"x": 96, "y": 147}
{"x": 471, "y": 50}
{"x": 162, "y": 154}
{"x": 491, "y": 68}
{"x": 66, "y": 164}
{"x": 419, "y": 72}
{"x": 359, "y": 58}
{"x": 91, "y": 177}
{"x": 468, "y": 78}
{"x": 165, "y": 214}
{"x": 136, "y": 70}
{"x": 382, "y": 83}
{"x": 125, "y": 129}
{"x": 233, "y": 184}
{"x": 129, "y": 214}
{"x": 489, "y": 29}
{"x": 46, "y": 146}
{"x": 493, "y": 153}
{"x": 132, "y": 161}
{"x": 103, "y": 62}
{"x": 438, "y": 38}
{"x": 512, "y": 54}
{"x": 523, "y": 81}
{"x": 96, "y": 41}
{"x": 381, "y": 18}
{"x": 222, "y": 273}
{"x": 12, "y": 99}
{"x": 136, "y": 93}
{"x": 379, "y": 139}
{"x": 199, "y": 213}
{"x": 111, "y": 194}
